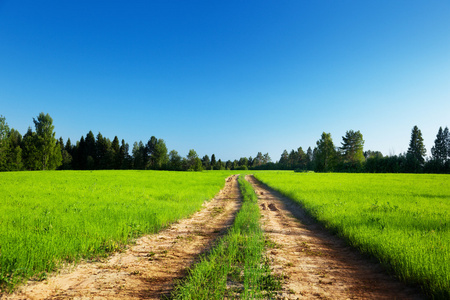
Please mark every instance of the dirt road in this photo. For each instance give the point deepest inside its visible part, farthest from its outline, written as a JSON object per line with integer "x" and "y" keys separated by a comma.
{"x": 316, "y": 264}
{"x": 148, "y": 269}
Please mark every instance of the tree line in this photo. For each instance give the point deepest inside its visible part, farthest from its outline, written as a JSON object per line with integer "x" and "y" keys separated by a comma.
{"x": 351, "y": 157}
{"x": 40, "y": 150}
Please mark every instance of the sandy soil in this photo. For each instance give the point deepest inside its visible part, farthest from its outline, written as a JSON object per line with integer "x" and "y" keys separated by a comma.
{"x": 316, "y": 264}
{"x": 148, "y": 269}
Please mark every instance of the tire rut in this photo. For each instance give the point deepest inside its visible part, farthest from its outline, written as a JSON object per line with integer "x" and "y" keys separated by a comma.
{"x": 150, "y": 268}
{"x": 316, "y": 264}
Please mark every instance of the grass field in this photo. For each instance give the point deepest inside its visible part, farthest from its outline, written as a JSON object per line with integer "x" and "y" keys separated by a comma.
{"x": 47, "y": 218}
{"x": 401, "y": 219}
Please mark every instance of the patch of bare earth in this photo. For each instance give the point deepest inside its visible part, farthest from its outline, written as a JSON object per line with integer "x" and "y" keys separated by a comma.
{"x": 148, "y": 269}
{"x": 316, "y": 264}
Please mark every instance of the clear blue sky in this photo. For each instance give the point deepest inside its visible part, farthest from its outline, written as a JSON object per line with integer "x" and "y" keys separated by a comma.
{"x": 228, "y": 77}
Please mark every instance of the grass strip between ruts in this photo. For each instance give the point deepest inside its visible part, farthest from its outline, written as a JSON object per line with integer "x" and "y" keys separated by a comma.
{"x": 236, "y": 267}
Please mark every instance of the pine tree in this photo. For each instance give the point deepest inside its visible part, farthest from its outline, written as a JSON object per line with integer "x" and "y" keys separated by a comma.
{"x": 447, "y": 143}
{"x": 243, "y": 163}
{"x": 415, "y": 157}
{"x": 115, "y": 148}
{"x": 90, "y": 151}
{"x": 138, "y": 155}
{"x": 416, "y": 146}
{"x": 66, "y": 157}
{"x": 213, "y": 162}
{"x": 309, "y": 158}
{"x": 124, "y": 157}
{"x": 302, "y": 160}
{"x": 206, "y": 162}
{"x": 439, "y": 151}
{"x": 284, "y": 160}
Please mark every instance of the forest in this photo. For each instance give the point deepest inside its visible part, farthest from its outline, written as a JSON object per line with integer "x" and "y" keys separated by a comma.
{"x": 41, "y": 150}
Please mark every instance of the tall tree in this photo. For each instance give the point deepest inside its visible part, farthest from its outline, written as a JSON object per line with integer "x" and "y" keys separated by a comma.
{"x": 193, "y": 162}
{"x": 30, "y": 153}
{"x": 90, "y": 151}
{"x": 258, "y": 160}
{"x": 220, "y": 165}
{"x": 250, "y": 162}
{"x": 175, "y": 161}
{"x": 416, "y": 151}
{"x": 353, "y": 150}
{"x": 13, "y": 152}
{"x": 309, "y": 158}
{"x": 266, "y": 158}
{"x": 4, "y": 134}
{"x": 80, "y": 155}
{"x": 292, "y": 159}
{"x": 149, "y": 159}
{"x": 284, "y": 160}
{"x": 48, "y": 150}
{"x": 206, "y": 162}
{"x": 66, "y": 163}
{"x": 115, "y": 148}
{"x": 104, "y": 154}
{"x": 447, "y": 142}
{"x": 213, "y": 162}
{"x": 243, "y": 162}
{"x": 301, "y": 159}
{"x": 124, "y": 157}
{"x": 138, "y": 155}
{"x": 325, "y": 156}
{"x": 159, "y": 157}
{"x": 439, "y": 151}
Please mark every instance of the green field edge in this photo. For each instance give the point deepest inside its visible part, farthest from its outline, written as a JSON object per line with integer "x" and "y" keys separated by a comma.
{"x": 42, "y": 251}
{"x": 400, "y": 270}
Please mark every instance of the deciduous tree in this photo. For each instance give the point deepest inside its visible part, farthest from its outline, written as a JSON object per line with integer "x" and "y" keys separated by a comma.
{"x": 48, "y": 151}
{"x": 159, "y": 157}
{"x": 4, "y": 133}
{"x": 325, "y": 156}
{"x": 353, "y": 150}
{"x": 175, "y": 161}
{"x": 193, "y": 162}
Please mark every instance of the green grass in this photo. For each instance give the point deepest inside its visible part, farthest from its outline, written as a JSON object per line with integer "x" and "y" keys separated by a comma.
{"x": 237, "y": 260}
{"x": 47, "y": 218}
{"x": 401, "y": 219}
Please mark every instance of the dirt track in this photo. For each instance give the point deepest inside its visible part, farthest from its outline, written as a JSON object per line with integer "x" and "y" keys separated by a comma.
{"x": 316, "y": 264}
{"x": 148, "y": 269}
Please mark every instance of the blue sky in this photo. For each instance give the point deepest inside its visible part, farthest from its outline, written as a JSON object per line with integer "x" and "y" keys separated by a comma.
{"x": 230, "y": 77}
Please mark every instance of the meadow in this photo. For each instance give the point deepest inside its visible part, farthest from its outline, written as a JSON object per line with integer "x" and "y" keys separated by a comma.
{"x": 51, "y": 218}
{"x": 403, "y": 220}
